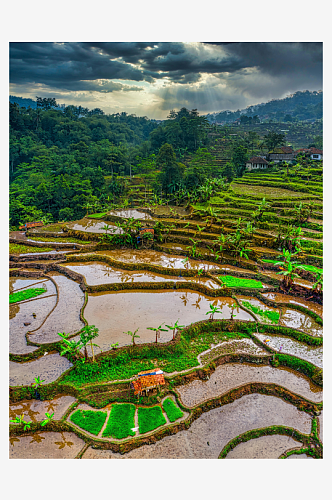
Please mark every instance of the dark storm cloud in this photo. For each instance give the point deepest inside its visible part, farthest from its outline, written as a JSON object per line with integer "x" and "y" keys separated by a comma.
{"x": 70, "y": 65}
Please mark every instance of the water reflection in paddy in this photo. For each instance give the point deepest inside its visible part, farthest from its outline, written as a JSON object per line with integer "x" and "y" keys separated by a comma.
{"x": 48, "y": 368}
{"x": 263, "y": 447}
{"x": 130, "y": 213}
{"x": 98, "y": 273}
{"x": 117, "y": 312}
{"x": 288, "y": 299}
{"x": 45, "y": 445}
{"x": 93, "y": 226}
{"x": 300, "y": 321}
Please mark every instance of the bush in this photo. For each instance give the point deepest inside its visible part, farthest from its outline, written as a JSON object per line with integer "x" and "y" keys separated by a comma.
{"x": 150, "y": 418}
{"x": 173, "y": 411}
{"x": 89, "y": 420}
{"x": 121, "y": 421}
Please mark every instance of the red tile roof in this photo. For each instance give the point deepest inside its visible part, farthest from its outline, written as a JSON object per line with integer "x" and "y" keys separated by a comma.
{"x": 147, "y": 380}
{"x": 258, "y": 159}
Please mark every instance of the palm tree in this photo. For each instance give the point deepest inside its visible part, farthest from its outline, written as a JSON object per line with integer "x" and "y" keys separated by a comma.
{"x": 157, "y": 330}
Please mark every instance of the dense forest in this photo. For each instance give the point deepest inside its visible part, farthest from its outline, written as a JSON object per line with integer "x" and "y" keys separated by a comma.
{"x": 300, "y": 106}
{"x": 63, "y": 160}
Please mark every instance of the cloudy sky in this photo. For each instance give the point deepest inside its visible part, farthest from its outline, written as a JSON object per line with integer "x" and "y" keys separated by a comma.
{"x": 151, "y": 78}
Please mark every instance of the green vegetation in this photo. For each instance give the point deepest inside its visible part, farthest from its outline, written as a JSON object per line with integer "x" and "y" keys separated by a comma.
{"x": 25, "y": 294}
{"x": 172, "y": 410}
{"x": 98, "y": 216}
{"x": 16, "y": 248}
{"x": 121, "y": 421}
{"x": 233, "y": 282}
{"x": 150, "y": 418}
{"x": 89, "y": 420}
{"x": 273, "y": 316}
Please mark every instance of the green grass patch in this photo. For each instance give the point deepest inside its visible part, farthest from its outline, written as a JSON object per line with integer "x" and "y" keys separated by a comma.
{"x": 273, "y": 316}
{"x": 232, "y": 281}
{"x": 15, "y": 248}
{"x": 97, "y": 216}
{"x": 25, "y": 294}
{"x": 173, "y": 411}
{"x": 121, "y": 421}
{"x": 150, "y": 418}
{"x": 89, "y": 420}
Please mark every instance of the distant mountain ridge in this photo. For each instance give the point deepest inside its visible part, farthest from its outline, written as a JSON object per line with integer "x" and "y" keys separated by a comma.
{"x": 23, "y": 102}
{"x": 302, "y": 105}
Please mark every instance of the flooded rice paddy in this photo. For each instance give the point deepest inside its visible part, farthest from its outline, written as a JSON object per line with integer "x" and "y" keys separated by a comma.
{"x": 302, "y": 455}
{"x": 34, "y": 410}
{"x": 131, "y": 213}
{"x": 207, "y": 435}
{"x": 28, "y": 315}
{"x": 263, "y": 447}
{"x": 300, "y": 321}
{"x": 158, "y": 259}
{"x": 45, "y": 445}
{"x": 49, "y": 367}
{"x": 244, "y": 345}
{"x": 228, "y": 376}
{"x": 262, "y": 308}
{"x": 289, "y": 346}
{"x": 66, "y": 315}
{"x": 117, "y": 312}
{"x": 93, "y": 226}
{"x": 289, "y": 299}
{"x": 99, "y": 273}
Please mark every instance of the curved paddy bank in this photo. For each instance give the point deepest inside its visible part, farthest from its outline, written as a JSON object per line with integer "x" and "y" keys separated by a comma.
{"x": 263, "y": 447}
{"x": 48, "y": 368}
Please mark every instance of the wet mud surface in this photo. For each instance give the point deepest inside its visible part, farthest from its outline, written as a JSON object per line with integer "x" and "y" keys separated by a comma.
{"x": 300, "y": 321}
{"x": 99, "y": 273}
{"x": 263, "y": 447}
{"x": 66, "y": 315}
{"x": 232, "y": 346}
{"x": 263, "y": 307}
{"x": 228, "y": 376}
{"x": 289, "y": 299}
{"x": 207, "y": 435}
{"x": 117, "y": 312}
{"x": 22, "y": 312}
{"x": 48, "y": 368}
{"x": 289, "y": 346}
{"x": 45, "y": 445}
{"x": 34, "y": 410}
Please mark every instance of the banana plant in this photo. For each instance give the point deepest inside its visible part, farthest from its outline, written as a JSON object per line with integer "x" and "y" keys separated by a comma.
{"x": 19, "y": 420}
{"x": 37, "y": 382}
{"x": 157, "y": 330}
{"x": 133, "y": 335}
{"x": 47, "y": 419}
{"x": 213, "y": 311}
{"x": 176, "y": 326}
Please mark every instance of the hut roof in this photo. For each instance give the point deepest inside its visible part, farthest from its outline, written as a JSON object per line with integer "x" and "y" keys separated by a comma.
{"x": 148, "y": 379}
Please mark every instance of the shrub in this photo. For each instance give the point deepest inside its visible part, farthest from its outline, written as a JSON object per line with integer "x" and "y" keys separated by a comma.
{"x": 121, "y": 421}
{"x": 25, "y": 294}
{"x": 89, "y": 420}
{"x": 173, "y": 411}
{"x": 150, "y": 418}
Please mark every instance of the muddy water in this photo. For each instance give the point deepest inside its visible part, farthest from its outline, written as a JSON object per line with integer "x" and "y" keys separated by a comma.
{"x": 158, "y": 259}
{"x": 66, "y": 315}
{"x": 45, "y": 445}
{"x": 258, "y": 303}
{"x": 300, "y": 321}
{"x": 131, "y": 213}
{"x": 263, "y": 447}
{"x": 98, "y": 273}
{"x": 228, "y": 376}
{"x": 52, "y": 252}
{"x": 289, "y": 346}
{"x": 288, "y": 299}
{"x": 207, "y": 435}
{"x": 21, "y": 312}
{"x": 35, "y": 410}
{"x": 92, "y": 226}
{"x": 162, "y": 210}
{"x": 117, "y": 312}
{"x": 49, "y": 367}
{"x": 320, "y": 420}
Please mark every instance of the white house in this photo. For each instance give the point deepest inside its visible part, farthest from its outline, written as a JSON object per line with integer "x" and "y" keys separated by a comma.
{"x": 256, "y": 162}
{"x": 316, "y": 154}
